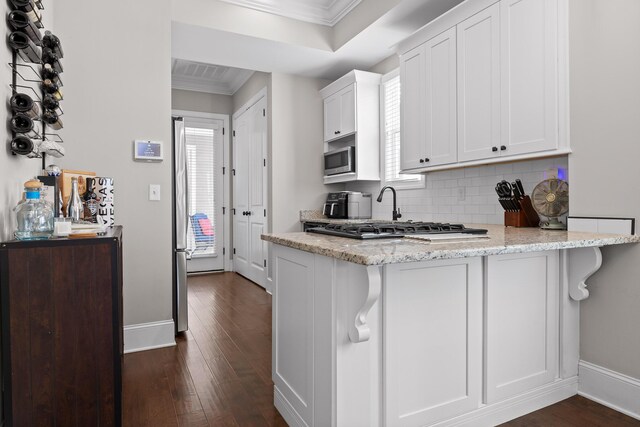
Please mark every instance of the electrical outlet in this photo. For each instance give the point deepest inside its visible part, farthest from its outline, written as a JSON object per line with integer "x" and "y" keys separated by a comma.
{"x": 462, "y": 194}
{"x": 154, "y": 192}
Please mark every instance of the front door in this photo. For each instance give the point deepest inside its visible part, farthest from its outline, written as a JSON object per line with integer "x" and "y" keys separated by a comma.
{"x": 205, "y": 236}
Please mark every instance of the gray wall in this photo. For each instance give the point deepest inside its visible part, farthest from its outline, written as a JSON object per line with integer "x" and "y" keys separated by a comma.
{"x": 297, "y": 149}
{"x": 201, "y": 102}
{"x": 605, "y": 127}
{"x": 256, "y": 82}
{"x": 117, "y": 75}
{"x": 386, "y": 65}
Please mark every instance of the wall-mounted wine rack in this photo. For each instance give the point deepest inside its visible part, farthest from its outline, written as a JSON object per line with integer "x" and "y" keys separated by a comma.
{"x": 35, "y": 87}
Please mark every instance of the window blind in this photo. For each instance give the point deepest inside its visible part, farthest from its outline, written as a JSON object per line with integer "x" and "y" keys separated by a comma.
{"x": 391, "y": 133}
{"x": 200, "y": 166}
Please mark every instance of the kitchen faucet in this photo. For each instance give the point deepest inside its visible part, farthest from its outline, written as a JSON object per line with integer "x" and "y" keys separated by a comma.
{"x": 396, "y": 211}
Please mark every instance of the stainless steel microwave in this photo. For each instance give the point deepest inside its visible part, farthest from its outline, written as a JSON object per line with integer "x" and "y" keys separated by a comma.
{"x": 340, "y": 161}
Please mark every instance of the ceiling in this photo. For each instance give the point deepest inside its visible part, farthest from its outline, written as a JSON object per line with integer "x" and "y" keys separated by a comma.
{"x": 201, "y": 77}
{"x": 323, "y": 12}
{"x": 366, "y": 48}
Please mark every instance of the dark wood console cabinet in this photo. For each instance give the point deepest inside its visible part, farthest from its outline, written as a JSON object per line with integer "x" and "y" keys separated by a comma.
{"x": 62, "y": 341}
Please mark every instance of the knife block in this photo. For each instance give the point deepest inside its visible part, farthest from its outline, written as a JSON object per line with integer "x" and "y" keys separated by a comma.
{"x": 525, "y": 217}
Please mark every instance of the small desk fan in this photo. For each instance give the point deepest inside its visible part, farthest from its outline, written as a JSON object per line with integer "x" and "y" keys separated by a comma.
{"x": 550, "y": 198}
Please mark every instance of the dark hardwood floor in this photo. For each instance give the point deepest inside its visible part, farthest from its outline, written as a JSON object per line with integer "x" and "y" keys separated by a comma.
{"x": 219, "y": 374}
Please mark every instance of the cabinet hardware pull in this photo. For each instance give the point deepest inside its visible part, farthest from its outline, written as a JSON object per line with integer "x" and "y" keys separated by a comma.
{"x": 426, "y": 159}
{"x": 503, "y": 147}
{"x": 494, "y": 149}
{"x": 421, "y": 160}
{"x": 337, "y": 132}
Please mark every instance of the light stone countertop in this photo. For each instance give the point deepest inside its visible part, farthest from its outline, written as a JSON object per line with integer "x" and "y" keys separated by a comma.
{"x": 502, "y": 240}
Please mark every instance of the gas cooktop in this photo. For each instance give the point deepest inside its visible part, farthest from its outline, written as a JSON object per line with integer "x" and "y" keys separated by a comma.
{"x": 376, "y": 230}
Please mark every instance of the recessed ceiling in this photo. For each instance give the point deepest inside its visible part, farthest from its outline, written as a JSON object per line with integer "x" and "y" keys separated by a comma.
{"x": 323, "y": 12}
{"x": 200, "y": 77}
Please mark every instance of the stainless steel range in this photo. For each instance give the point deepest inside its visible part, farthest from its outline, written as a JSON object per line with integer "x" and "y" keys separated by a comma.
{"x": 376, "y": 230}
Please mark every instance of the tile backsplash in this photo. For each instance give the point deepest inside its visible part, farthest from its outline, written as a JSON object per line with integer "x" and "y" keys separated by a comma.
{"x": 464, "y": 195}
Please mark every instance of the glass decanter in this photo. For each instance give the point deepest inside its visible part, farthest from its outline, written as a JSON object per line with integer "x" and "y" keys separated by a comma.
{"x": 33, "y": 214}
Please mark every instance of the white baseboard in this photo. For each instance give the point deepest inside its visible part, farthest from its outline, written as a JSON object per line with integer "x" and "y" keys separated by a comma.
{"x": 287, "y": 411}
{"x": 506, "y": 410}
{"x": 147, "y": 336}
{"x": 610, "y": 388}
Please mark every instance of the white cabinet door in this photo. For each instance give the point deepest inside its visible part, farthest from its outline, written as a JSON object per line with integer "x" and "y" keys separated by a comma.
{"x": 521, "y": 339}
{"x": 479, "y": 85}
{"x": 293, "y": 330}
{"x": 412, "y": 108}
{"x": 348, "y": 110}
{"x": 433, "y": 340}
{"x": 441, "y": 133}
{"x": 331, "y": 117}
{"x": 529, "y": 57}
{"x": 340, "y": 113}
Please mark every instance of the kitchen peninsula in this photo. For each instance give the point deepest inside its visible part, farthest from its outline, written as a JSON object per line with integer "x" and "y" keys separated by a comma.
{"x": 404, "y": 332}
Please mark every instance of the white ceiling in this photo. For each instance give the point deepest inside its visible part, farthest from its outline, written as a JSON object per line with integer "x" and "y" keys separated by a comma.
{"x": 323, "y": 12}
{"x": 367, "y": 48}
{"x": 201, "y": 77}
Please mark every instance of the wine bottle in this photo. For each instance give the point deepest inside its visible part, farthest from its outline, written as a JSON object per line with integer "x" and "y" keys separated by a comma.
{"x": 22, "y": 44}
{"x": 89, "y": 202}
{"x": 48, "y": 57}
{"x": 52, "y": 42}
{"x": 51, "y": 118}
{"x": 52, "y": 89}
{"x": 22, "y": 103}
{"x": 49, "y": 73}
{"x": 50, "y": 102}
{"x": 21, "y": 123}
{"x": 30, "y": 9}
{"x": 19, "y": 20}
{"x": 21, "y": 145}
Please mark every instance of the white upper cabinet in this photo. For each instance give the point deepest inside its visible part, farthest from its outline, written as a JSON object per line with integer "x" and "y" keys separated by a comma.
{"x": 352, "y": 119}
{"x": 429, "y": 103}
{"x": 412, "y": 108}
{"x": 503, "y": 95}
{"x": 529, "y": 59}
{"x": 479, "y": 85}
{"x": 340, "y": 114}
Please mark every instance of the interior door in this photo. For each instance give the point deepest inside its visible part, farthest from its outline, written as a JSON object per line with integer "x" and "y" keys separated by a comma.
{"x": 250, "y": 206}
{"x": 204, "y": 153}
{"x": 257, "y": 194}
{"x": 241, "y": 138}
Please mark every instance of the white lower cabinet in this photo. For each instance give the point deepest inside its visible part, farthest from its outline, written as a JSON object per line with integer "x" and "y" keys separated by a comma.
{"x": 522, "y": 317}
{"x": 469, "y": 341}
{"x": 432, "y": 340}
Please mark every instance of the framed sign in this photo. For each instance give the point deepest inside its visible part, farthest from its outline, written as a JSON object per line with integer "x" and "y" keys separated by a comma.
{"x": 147, "y": 151}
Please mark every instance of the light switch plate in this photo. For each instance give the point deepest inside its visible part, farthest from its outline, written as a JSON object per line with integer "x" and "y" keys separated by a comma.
{"x": 154, "y": 192}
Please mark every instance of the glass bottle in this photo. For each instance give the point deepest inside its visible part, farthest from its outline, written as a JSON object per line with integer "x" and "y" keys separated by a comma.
{"x": 74, "y": 207}
{"x": 89, "y": 202}
{"x": 33, "y": 214}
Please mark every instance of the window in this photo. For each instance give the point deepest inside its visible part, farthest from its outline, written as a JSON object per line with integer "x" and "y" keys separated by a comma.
{"x": 390, "y": 119}
{"x": 200, "y": 140}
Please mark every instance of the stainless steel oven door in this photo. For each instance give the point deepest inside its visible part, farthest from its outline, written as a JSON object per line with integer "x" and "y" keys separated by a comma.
{"x": 340, "y": 161}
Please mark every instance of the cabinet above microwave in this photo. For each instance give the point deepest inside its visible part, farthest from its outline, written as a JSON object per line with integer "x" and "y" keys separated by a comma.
{"x": 352, "y": 119}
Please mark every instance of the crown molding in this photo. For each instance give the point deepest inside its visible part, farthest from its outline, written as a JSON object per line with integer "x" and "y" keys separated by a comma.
{"x": 327, "y": 15}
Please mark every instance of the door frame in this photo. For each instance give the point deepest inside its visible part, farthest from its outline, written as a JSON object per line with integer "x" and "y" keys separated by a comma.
{"x": 262, "y": 93}
{"x": 226, "y": 183}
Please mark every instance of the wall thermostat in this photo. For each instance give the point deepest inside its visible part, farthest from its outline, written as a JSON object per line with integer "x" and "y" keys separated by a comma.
{"x": 147, "y": 151}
